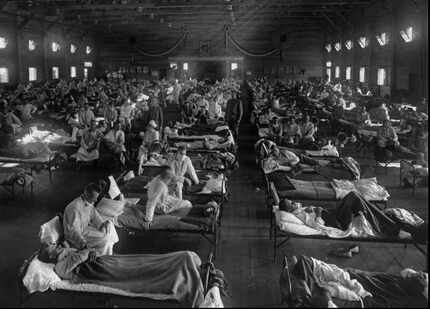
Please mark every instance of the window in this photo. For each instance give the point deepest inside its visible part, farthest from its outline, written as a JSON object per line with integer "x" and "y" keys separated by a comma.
{"x": 3, "y": 42}
{"x": 55, "y": 72}
{"x": 382, "y": 77}
{"x": 88, "y": 64}
{"x": 234, "y": 66}
{"x": 32, "y": 74}
{"x": 363, "y": 42}
{"x": 328, "y": 72}
{"x": 86, "y": 73}
{"x": 328, "y": 48}
{"x": 173, "y": 66}
{"x": 338, "y": 46}
{"x": 31, "y": 45}
{"x": 185, "y": 66}
{"x": 145, "y": 70}
{"x": 328, "y": 64}
{"x": 382, "y": 39}
{"x": 73, "y": 48}
{"x": 88, "y": 50}
{"x": 4, "y": 75}
{"x": 407, "y": 34}
{"x": 55, "y": 47}
{"x": 337, "y": 72}
{"x": 348, "y": 72}
{"x": 349, "y": 44}
{"x": 72, "y": 71}
{"x": 362, "y": 75}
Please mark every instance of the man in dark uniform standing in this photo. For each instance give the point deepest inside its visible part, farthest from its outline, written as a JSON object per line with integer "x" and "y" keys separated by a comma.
{"x": 233, "y": 114}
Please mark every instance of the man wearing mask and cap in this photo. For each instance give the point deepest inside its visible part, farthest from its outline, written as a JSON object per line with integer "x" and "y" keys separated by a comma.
{"x": 83, "y": 226}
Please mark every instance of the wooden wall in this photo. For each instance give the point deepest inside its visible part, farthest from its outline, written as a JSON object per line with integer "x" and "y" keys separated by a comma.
{"x": 301, "y": 56}
{"x": 406, "y": 63}
{"x": 18, "y": 58}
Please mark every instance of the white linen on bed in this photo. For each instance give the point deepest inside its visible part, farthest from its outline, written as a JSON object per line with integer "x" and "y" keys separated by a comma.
{"x": 41, "y": 277}
{"x": 212, "y": 299}
{"x": 51, "y": 231}
{"x": 367, "y": 187}
{"x": 288, "y": 222}
{"x": 214, "y": 185}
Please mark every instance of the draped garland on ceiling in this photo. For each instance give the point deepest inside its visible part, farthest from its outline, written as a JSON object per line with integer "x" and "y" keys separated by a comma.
{"x": 168, "y": 51}
{"x": 248, "y": 53}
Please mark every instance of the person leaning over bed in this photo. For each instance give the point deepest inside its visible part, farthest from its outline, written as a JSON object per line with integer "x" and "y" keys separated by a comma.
{"x": 83, "y": 226}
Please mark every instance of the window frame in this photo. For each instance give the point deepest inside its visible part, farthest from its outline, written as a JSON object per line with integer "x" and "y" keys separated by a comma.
{"x": 5, "y": 71}
{"x": 30, "y": 72}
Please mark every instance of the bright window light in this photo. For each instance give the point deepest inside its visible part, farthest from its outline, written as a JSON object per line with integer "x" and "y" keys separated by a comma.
{"x": 328, "y": 48}
{"x": 32, "y": 74}
{"x": 4, "y": 75}
{"x": 338, "y": 46}
{"x": 363, "y": 42}
{"x": 348, "y": 71}
{"x": 234, "y": 66}
{"x": 382, "y": 39}
{"x": 328, "y": 64}
{"x": 88, "y": 64}
{"x": 73, "y": 48}
{"x": 337, "y": 72}
{"x": 173, "y": 66}
{"x": 31, "y": 45}
{"x": 407, "y": 34}
{"x": 3, "y": 42}
{"x": 55, "y": 72}
{"x": 88, "y": 50}
{"x": 349, "y": 44}
{"x": 86, "y": 73}
{"x": 362, "y": 75}
{"x": 185, "y": 66}
{"x": 145, "y": 70}
{"x": 55, "y": 47}
{"x": 328, "y": 72}
{"x": 382, "y": 77}
{"x": 73, "y": 72}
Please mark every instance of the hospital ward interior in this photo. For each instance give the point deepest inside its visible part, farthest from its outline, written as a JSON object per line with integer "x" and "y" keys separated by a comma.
{"x": 214, "y": 153}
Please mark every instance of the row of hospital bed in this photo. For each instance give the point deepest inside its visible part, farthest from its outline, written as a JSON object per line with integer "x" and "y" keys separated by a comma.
{"x": 204, "y": 219}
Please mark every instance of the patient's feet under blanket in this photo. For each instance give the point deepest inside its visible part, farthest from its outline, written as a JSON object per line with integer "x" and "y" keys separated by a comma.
{"x": 172, "y": 276}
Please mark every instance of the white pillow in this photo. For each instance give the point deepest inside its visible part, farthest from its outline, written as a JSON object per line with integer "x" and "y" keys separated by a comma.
{"x": 110, "y": 208}
{"x": 51, "y": 231}
{"x": 289, "y": 217}
{"x": 39, "y": 276}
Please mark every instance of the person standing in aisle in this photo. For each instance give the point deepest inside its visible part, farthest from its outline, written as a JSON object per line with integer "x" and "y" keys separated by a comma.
{"x": 233, "y": 114}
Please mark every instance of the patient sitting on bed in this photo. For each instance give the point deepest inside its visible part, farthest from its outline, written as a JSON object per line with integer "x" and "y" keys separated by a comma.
{"x": 159, "y": 199}
{"x": 174, "y": 276}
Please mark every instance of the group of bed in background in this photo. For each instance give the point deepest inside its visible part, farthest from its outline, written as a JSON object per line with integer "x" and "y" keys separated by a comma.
{"x": 196, "y": 197}
{"x": 103, "y": 121}
{"x": 314, "y": 191}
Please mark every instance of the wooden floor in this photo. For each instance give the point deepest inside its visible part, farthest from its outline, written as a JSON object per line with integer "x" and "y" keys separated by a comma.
{"x": 245, "y": 251}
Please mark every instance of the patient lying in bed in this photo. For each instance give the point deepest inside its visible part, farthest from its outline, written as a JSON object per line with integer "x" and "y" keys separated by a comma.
{"x": 354, "y": 217}
{"x": 308, "y": 282}
{"x": 174, "y": 276}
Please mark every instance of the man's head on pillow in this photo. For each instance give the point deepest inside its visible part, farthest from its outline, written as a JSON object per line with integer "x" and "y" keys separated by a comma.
{"x": 288, "y": 206}
{"x": 49, "y": 252}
